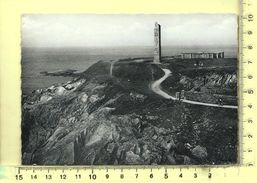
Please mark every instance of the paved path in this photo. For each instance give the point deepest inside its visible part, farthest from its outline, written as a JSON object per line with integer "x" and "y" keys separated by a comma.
{"x": 156, "y": 89}
{"x": 208, "y": 104}
{"x": 156, "y": 85}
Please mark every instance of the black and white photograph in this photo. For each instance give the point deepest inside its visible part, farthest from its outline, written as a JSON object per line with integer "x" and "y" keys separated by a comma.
{"x": 129, "y": 89}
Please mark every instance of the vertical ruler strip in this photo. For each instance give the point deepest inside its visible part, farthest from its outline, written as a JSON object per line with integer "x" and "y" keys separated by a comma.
{"x": 246, "y": 85}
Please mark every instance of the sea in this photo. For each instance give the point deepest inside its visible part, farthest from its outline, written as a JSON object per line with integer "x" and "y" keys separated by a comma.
{"x": 35, "y": 60}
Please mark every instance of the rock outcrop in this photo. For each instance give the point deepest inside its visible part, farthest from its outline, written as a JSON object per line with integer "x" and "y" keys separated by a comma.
{"x": 100, "y": 119}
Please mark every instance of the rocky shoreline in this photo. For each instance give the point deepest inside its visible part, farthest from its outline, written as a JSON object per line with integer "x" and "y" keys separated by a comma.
{"x": 103, "y": 119}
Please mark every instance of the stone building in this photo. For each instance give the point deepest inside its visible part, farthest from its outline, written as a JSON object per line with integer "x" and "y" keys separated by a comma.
{"x": 202, "y": 55}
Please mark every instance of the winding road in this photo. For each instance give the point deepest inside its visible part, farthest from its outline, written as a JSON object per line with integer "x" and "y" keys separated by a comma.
{"x": 155, "y": 86}
{"x": 156, "y": 89}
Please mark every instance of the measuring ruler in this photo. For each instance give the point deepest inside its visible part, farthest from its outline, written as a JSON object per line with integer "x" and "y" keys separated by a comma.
{"x": 247, "y": 89}
{"x": 247, "y": 83}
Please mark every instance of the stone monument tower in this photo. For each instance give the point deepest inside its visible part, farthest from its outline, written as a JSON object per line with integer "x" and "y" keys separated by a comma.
{"x": 157, "y": 43}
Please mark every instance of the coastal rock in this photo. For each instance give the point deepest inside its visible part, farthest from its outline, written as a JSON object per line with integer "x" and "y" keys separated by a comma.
{"x": 45, "y": 98}
{"x": 149, "y": 131}
{"x": 187, "y": 160}
{"x": 137, "y": 149}
{"x": 74, "y": 85}
{"x": 163, "y": 131}
{"x": 155, "y": 137}
{"x": 60, "y": 90}
{"x": 72, "y": 120}
{"x": 84, "y": 97}
{"x": 69, "y": 87}
{"x": 171, "y": 160}
{"x": 179, "y": 159}
{"x": 146, "y": 154}
{"x": 108, "y": 121}
{"x": 67, "y": 155}
{"x": 152, "y": 117}
{"x": 167, "y": 145}
{"x": 209, "y": 80}
{"x": 199, "y": 152}
{"x": 182, "y": 149}
{"x": 94, "y": 98}
{"x": 136, "y": 121}
{"x": 26, "y": 158}
{"x": 39, "y": 91}
{"x": 132, "y": 158}
{"x": 233, "y": 79}
{"x": 137, "y": 97}
{"x": 110, "y": 148}
{"x": 103, "y": 133}
{"x": 50, "y": 89}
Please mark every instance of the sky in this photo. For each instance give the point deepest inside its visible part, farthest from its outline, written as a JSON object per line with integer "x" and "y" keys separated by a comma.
{"x": 92, "y": 30}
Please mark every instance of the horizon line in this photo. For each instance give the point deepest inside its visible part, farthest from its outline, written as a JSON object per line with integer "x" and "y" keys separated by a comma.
{"x": 123, "y": 46}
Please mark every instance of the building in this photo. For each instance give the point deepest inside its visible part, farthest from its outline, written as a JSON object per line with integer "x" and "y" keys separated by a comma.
{"x": 157, "y": 43}
{"x": 190, "y": 55}
{"x": 202, "y": 55}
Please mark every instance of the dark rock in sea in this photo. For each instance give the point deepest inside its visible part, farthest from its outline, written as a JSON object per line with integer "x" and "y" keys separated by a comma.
{"x": 64, "y": 73}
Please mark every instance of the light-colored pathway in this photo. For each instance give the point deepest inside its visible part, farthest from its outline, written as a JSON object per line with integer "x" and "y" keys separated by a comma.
{"x": 156, "y": 89}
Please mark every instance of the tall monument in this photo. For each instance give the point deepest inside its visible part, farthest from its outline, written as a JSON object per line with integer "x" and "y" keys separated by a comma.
{"x": 157, "y": 43}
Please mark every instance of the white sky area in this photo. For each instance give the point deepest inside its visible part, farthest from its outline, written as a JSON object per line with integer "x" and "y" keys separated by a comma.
{"x": 89, "y": 30}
